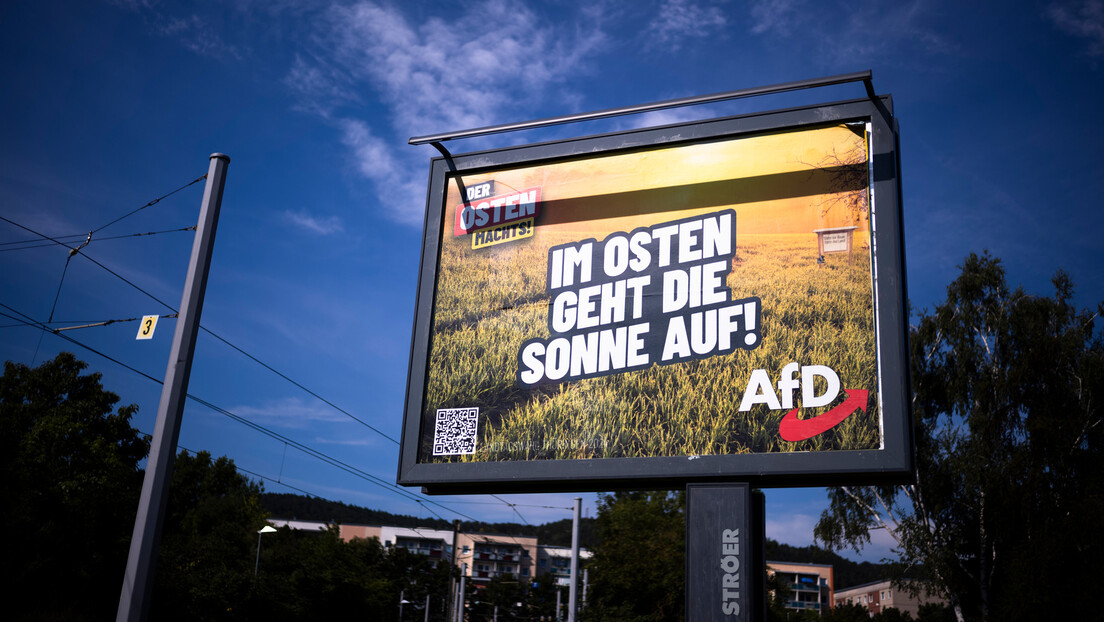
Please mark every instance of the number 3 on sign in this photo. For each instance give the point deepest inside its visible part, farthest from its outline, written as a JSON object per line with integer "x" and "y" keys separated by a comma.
{"x": 149, "y": 323}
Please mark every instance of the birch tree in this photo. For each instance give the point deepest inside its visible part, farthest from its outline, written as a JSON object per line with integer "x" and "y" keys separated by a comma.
{"x": 1008, "y": 444}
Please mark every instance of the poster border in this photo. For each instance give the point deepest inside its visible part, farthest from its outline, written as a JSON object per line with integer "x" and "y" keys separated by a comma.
{"x": 891, "y": 463}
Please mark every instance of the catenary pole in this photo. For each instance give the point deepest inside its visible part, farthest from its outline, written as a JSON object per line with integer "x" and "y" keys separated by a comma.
{"x": 134, "y": 602}
{"x": 573, "y": 588}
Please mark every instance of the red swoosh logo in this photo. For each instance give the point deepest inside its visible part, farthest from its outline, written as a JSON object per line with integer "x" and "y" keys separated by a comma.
{"x": 793, "y": 429}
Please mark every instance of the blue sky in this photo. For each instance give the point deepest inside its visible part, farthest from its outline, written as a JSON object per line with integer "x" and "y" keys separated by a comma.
{"x": 108, "y": 105}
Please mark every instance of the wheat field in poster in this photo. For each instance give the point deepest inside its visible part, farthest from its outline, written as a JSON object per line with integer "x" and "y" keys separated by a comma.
{"x": 703, "y": 299}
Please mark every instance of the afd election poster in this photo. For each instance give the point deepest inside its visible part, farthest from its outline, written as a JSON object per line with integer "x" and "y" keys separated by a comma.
{"x": 701, "y": 299}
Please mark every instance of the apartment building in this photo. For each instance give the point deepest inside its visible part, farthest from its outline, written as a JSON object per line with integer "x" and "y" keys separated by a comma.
{"x": 494, "y": 555}
{"x": 882, "y": 595}
{"x": 435, "y": 544}
{"x": 811, "y": 585}
{"x": 485, "y": 556}
{"x": 556, "y": 561}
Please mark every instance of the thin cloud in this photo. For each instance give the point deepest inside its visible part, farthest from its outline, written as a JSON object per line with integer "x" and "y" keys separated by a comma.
{"x": 434, "y": 75}
{"x": 680, "y": 20}
{"x": 193, "y": 32}
{"x": 774, "y": 15}
{"x": 853, "y": 37}
{"x": 321, "y": 226}
{"x": 1084, "y": 19}
{"x": 290, "y": 412}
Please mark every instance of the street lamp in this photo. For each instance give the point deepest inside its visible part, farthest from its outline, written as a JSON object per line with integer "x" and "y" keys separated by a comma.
{"x": 402, "y": 601}
{"x": 263, "y": 530}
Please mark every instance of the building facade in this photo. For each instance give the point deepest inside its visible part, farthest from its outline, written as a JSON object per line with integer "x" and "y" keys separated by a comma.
{"x": 556, "y": 561}
{"x": 482, "y": 556}
{"x": 491, "y": 555}
{"x": 811, "y": 586}
{"x": 882, "y": 595}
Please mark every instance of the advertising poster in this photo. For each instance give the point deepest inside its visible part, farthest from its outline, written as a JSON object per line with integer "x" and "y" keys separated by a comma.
{"x": 700, "y": 299}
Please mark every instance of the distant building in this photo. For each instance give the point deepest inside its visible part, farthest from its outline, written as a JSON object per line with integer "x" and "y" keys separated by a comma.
{"x": 556, "y": 561}
{"x": 491, "y": 555}
{"x": 435, "y": 544}
{"x": 811, "y": 585}
{"x": 883, "y": 595}
{"x": 486, "y": 556}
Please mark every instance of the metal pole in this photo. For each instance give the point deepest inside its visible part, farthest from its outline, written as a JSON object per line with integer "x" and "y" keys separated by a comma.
{"x": 452, "y": 581}
{"x": 427, "y": 609}
{"x": 257, "y": 565}
{"x": 402, "y": 599}
{"x": 586, "y": 582}
{"x": 134, "y": 601}
{"x": 573, "y": 588}
{"x": 460, "y": 595}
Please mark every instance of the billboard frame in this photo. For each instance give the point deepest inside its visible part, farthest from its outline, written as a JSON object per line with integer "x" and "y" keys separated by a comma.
{"x": 891, "y": 463}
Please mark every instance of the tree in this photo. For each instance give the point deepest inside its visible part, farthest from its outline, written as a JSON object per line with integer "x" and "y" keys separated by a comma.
{"x": 847, "y": 612}
{"x": 69, "y": 480}
{"x": 316, "y": 576}
{"x": 207, "y": 553}
{"x": 1008, "y": 441}
{"x": 639, "y": 561}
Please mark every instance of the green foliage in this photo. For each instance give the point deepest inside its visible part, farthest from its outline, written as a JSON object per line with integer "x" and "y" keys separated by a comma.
{"x": 1009, "y": 442}
{"x": 891, "y": 614}
{"x": 847, "y": 612}
{"x": 935, "y": 612}
{"x": 310, "y": 576}
{"x": 506, "y": 594}
{"x": 69, "y": 479}
{"x": 558, "y": 533}
{"x": 205, "y": 570}
{"x": 638, "y": 565}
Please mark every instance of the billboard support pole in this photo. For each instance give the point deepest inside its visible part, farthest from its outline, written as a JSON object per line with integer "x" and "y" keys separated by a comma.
{"x": 725, "y": 565}
{"x": 573, "y": 590}
{"x": 134, "y": 602}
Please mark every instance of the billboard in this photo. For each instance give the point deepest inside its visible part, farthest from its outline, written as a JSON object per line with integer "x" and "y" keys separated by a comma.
{"x": 713, "y": 301}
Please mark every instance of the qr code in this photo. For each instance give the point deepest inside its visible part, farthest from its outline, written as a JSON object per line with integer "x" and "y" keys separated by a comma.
{"x": 454, "y": 433}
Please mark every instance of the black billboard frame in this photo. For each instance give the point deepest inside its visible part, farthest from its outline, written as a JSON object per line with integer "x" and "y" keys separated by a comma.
{"x": 892, "y": 463}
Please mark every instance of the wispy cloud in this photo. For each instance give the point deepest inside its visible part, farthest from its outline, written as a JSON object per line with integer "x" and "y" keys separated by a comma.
{"x": 866, "y": 30}
{"x": 680, "y": 20}
{"x": 1083, "y": 19}
{"x": 198, "y": 36}
{"x": 321, "y": 226}
{"x": 437, "y": 74}
{"x": 290, "y": 412}
{"x": 456, "y": 73}
{"x": 778, "y": 16}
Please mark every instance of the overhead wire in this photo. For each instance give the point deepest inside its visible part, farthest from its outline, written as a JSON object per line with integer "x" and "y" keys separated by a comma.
{"x": 352, "y": 470}
{"x": 28, "y": 243}
{"x": 212, "y": 333}
{"x": 74, "y": 251}
{"x": 149, "y": 204}
{"x": 238, "y": 467}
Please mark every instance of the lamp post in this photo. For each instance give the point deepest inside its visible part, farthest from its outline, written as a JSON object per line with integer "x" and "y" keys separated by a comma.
{"x": 262, "y": 531}
{"x": 402, "y": 601}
